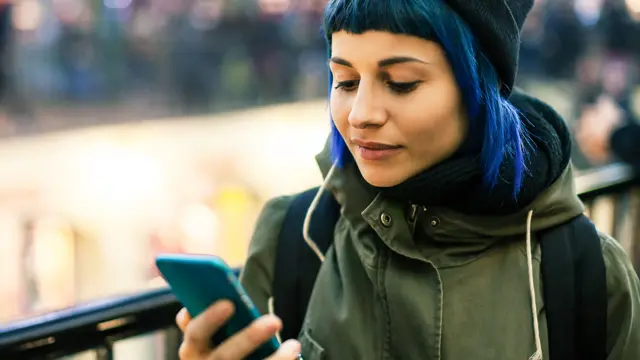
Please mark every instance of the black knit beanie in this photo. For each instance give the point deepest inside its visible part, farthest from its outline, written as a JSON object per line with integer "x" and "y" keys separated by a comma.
{"x": 497, "y": 25}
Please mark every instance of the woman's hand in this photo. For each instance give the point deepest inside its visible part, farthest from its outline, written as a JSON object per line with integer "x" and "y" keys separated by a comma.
{"x": 199, "y": 331}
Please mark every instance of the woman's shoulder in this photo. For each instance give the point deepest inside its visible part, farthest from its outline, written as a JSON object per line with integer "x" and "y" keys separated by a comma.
{"x": 257, "y": 273}
{"x": 621, "y": 275}
{"x": 614, "y": 253}
{"x": 623, "y": 301}
{"x": 269, "y": 224}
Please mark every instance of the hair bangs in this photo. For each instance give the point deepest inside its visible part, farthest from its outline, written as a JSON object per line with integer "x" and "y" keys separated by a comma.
{"x": 358, "y": 16}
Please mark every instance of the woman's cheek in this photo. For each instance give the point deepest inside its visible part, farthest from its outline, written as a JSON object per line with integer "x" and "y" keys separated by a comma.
{"x": 339, "y": 109}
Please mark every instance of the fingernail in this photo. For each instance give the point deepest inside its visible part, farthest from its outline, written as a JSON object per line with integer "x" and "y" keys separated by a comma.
{"x": 293, "y": 347}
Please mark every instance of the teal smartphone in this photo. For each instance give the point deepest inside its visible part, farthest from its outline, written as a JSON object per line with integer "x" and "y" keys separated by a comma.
{"x": 198, "y": 281}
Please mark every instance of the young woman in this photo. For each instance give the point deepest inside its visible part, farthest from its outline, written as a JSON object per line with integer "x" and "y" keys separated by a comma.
{"x": 444, "y": 176}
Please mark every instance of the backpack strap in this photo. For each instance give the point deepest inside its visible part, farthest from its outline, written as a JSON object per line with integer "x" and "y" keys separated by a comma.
{"x": 296, "y": 265}
{"x": 575, "y": 291}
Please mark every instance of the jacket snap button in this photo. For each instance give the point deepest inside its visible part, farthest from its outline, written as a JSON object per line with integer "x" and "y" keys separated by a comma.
{"x": 385, "y": 219}
{"x": 434, "y": 221}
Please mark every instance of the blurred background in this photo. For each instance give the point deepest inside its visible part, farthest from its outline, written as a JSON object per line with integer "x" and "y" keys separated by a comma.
{"x": 132, "y": 127}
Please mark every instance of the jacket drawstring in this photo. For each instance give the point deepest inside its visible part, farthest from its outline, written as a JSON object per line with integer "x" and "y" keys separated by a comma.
{"x": 305, "y": 234}
{"x": 532, "y": 292}
{"x": 307, "y": 219}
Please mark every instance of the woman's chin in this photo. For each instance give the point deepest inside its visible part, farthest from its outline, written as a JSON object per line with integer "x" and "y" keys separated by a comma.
{"x": 382, "y": 178}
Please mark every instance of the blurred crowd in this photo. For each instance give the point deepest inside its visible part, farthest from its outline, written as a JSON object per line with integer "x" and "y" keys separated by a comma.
{"x": 197, "y": 56}
{"x": 192, "y": 54}
{"x": 593, "y": 43}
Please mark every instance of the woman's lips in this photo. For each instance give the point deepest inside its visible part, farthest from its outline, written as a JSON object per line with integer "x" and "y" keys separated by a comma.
{"x": 376, "y": 154}
{"x": 370, "y": 150}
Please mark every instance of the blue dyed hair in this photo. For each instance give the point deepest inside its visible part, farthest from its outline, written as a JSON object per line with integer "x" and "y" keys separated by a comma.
{"x": 489, "y": 112}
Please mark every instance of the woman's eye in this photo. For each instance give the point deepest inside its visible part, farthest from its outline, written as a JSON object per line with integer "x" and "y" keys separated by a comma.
{"x": 349, "y": 85}
{"x": 397, "y": 87}
{"x": 403, "y": 87}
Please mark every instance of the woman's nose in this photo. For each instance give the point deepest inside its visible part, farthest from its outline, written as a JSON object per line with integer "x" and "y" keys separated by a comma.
{"x": 367, "y": 110}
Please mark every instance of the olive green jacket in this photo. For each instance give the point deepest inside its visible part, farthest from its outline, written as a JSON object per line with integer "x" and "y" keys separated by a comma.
{"x": 444, "y": 286}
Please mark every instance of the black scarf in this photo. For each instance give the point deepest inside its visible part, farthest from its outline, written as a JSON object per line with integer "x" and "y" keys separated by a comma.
{"x": 457, "y": 183}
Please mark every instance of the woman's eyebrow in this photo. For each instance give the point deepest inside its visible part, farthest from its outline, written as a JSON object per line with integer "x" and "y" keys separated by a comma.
{"x": 382, "y": 63}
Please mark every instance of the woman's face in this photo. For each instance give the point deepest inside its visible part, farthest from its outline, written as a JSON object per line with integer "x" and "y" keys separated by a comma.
{"x": 396, "y": 103}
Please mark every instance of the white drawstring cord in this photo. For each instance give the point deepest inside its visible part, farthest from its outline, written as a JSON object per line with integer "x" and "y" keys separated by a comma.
{"x": 532, "y": 292}
{"x": 305, "y": 234}
{"x": 307, "y": 219}
{"x": 273, "y": 312}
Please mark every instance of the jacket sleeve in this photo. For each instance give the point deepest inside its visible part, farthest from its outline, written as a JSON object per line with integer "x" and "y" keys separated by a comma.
{"x": 257, "y": 274}
{"x": 625, "y": 144}
{"x": 623, "y": 288}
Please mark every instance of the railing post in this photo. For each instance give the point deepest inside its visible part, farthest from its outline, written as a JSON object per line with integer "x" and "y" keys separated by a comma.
{"x": 172, "y": 339}
{"x": 601, "y": 211}
{"x": 634, "y": 232}
{"x": 105, "y": 352}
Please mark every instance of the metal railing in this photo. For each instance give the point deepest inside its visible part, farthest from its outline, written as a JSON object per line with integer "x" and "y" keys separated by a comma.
{"x": 96, "y": 325}
{"x": 611, "y": 193}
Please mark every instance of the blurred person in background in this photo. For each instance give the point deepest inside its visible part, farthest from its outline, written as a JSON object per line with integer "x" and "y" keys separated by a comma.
{"x": 563, "y": 42}
{"x": 196, "y": 62}
{"x": 619, "y": 37}
{"x": 618, "y": 30}
{"x": 303, "y": 24}
{"x": 77, "y": 50}
{"x": 15, "y": 110}
{"x": 607, "y": 129}
{"x": 5, "y": 38}
{"x": 607, "y": 132}
{"x": 445, "y": 181}
{"x": 273, "y": 52}
{"x": 613, "y": 78}
{"x": 532, "y": 37}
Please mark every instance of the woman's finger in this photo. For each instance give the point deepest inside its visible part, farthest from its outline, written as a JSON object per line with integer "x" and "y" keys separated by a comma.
{"x": 182, "y": 319}
{"x": 289, "y": 350}
{"x": 200, "y": 330}
{"x": 245, "y": 342}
